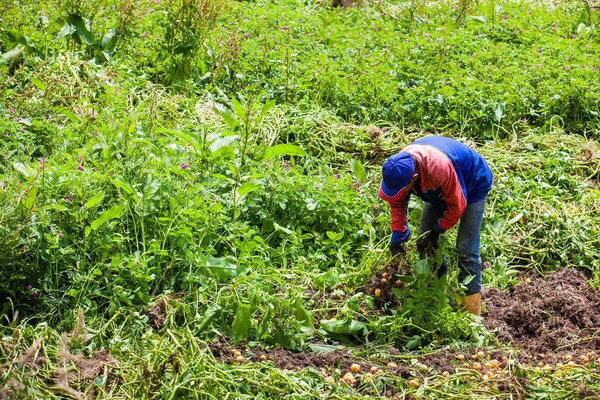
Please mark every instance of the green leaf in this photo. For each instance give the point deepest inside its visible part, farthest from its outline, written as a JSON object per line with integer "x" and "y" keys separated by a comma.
{"x": 118, "y": 182}
{"x": 324, "y": 348}
{"x": 38, "y": 82}
{"x": 222, "y": 145}
{"x": 109, "y": 214}
{"x": 228, "y": 117}
{"x": 515, "y": 219}
{"x": 109, "y": 41}
{"x": 285, "y": 338}
{"x": 422, "y": 268}
{"x": 479, "y": 18}
{"x": 220, "y": 267}
{"x": 95, "y": 200}
{"x": 31, "y": 197}
{"x": 183, "y": 136}
{"x": 281, "y": 228}
{"x": 239, "y": 109}
{"x": 302, "y": 315}
{"x": 210, "y": 314}
{"x": 499, "y": 112}
{"x": 265, "y": 323}
{"x": 72, "y": 117}
{"x": 334, "y": 236}
{"x": 414, "y": 342}
{"x": 358, "y": 170}
{"x": 82, "y": 28}
{"x": 66, "y": 30}
{"x": 265, "y": 109}
{"x": 283, "y": 150}
{"x": 247, "y": 188}
{"x": 346, "y": 326}
{"x": 24, "y": 169}
{"x": 311, "y": 204}
{"x": 242, "y": 322}
{"x": 352, "y": 302}
{"x": 11, "y": 54}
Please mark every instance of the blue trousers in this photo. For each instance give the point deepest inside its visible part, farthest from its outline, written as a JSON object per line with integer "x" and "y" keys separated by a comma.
{"x": 467, "y": 241}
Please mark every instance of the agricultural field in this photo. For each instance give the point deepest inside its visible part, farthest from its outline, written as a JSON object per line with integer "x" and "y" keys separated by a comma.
{"x": 189, "y": 199}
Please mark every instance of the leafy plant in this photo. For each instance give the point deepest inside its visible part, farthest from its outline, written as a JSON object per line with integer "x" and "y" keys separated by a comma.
{"x": 187, "y": 26}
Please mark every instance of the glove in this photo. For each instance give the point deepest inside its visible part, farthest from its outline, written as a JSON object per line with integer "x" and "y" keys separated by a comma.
{"x": 428, "y": 244}
{"x": 397, "y": 248}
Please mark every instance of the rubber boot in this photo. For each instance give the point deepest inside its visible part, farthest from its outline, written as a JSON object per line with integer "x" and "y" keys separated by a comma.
{"x": 472, "y": 304}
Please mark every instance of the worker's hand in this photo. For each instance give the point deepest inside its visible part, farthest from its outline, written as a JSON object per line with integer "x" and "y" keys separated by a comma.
{"x": 428, "y": 244}
{"x": 397, "y": 248}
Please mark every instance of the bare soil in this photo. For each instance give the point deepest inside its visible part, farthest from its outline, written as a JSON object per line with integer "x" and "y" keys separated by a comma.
{"x": 552, "y": 315}
{"x": 287, "y": 360}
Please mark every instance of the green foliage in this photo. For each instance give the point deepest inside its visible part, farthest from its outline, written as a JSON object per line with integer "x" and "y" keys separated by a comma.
{"x": 187, "y": 26}
{"x": 224, "y": 158}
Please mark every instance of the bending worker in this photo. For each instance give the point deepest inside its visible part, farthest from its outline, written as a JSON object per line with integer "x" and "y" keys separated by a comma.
{"x": 453, "y": 181}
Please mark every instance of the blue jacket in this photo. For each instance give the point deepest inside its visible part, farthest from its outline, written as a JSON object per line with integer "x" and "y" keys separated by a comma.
{"x": 450, "y": 173}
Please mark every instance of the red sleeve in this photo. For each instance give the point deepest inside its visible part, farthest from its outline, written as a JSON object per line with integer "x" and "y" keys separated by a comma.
{"x": 398, "y": 209}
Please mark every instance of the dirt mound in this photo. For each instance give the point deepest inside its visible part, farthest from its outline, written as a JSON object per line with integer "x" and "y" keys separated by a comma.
{"x": 90, "y": 368}
{"x": 558, "y": 312}
{"x": 382, "y": 282}
{"x": 157, "y": 313}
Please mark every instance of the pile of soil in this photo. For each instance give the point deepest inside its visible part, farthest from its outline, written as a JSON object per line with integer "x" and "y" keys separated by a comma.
{"x": 157, "y": 314}
{"x": 90, "y": 368}
{"x": 382, "y": 282}
{"x": 555, "y": 314}
{"x": 157, "y": 311}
